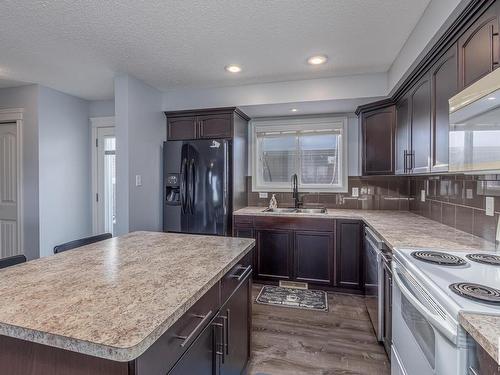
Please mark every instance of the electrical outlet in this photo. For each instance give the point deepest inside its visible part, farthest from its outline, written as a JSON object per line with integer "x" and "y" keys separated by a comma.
{"x": 355, "y": 192}
{"x": 138, "y": 180}
{"x": 263, "y": 195}
{"x": 490, "y": 206}
{"x": 422, "y": 195}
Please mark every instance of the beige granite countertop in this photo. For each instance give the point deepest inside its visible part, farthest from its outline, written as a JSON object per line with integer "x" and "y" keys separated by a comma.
{"x": 485, "y": 329}
{"x": 113, "y": 299}
{"x": 398, "y": 229}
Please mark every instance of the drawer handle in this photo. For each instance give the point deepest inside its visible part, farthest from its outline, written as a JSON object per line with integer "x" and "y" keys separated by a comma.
{"x": 202, "y": 322}
{"x": 242, "y": 275}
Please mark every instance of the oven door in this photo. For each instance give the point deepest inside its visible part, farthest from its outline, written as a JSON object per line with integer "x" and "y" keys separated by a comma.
{"x": 424, "y": 337}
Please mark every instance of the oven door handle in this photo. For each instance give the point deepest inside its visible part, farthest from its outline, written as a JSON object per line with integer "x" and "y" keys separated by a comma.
{"x": 444, "y": 328}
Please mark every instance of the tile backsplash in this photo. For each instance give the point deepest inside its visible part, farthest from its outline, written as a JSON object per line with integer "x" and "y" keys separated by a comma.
{"x": 458, "y": 201}
{"x": 454, "y": 200}
{"x": 375, "y": 193}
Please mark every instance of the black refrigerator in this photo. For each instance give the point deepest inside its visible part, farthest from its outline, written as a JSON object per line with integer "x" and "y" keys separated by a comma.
{"x": 196, "y": 187}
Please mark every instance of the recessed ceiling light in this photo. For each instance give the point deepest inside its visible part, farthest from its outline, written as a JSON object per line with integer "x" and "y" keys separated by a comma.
{"x": 491, "y": 98}
{"x": 233, "y": 68}
{"x": 294, "y": 110}
{"x": 317, "y": 60}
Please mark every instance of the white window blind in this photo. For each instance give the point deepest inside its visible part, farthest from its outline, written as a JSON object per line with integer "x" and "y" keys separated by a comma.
{"x": 314, "y": 150}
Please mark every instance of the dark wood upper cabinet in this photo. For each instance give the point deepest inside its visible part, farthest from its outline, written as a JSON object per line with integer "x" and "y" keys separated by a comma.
{"x": 478, "y": 48}
{"x": 348, "y": 254}
{"x": 403, "y": 139}
{"x": 420, "y": 110}
{"x": 444, "y": 81}
{"x": 378, "y": 126}
{"x": 205, "y": 124}
{"x": 274, "y": 254}
{"x": 314, "y": 257}
{"x": 215, "y": 126}
{"x": 181, "y": 128}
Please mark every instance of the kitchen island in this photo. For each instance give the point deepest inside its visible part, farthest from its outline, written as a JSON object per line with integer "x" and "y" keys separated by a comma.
{"x": 143, "y": 303}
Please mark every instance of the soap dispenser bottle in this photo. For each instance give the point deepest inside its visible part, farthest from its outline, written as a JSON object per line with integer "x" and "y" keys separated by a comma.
{"x": 273, "y": 203}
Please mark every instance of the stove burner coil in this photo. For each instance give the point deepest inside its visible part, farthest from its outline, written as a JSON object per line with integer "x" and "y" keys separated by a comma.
{"x": 490, "y": 259}
{"x": 477, "y": 292}
{"x": 437, "y": 257}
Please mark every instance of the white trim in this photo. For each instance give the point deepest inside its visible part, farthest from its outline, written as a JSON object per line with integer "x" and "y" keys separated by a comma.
{"x": 95, "y": 123}
{"x": 16, "y": 115}
{"x": 296, "y": 124}
{"x": 102, "y": 122}
{"x": 11, "y": 114}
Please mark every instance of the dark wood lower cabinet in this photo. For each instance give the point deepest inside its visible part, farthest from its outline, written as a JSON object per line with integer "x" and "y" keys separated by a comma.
{"x": 323, "y": 252}
{"x": 20, "y": 357}
{"x": 313, "y": 257}
{"x": 348, "y": 251}
{"x": 234, "y": 343}
{"x": 274, "y": 258}
{"x": 201, "y": 357}
{"x": 223, "y": 348}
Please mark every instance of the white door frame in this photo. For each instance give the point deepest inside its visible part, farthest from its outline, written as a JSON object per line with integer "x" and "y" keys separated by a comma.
{"x": 95, "y": 123}
{"x": 15, "y": 115}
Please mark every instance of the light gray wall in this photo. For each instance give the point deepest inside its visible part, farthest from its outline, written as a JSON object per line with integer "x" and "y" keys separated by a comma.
{"x": 333, "y": 88}
{"x": 437, "y": 17}
{"x": 64, "y": 169}
{"x": 122, "y": 154}
{"x": 102, "y": 108}
{"x": 140, "y": 132}
{"x": 26, "y": 97}
{"x": 353, "y": 145}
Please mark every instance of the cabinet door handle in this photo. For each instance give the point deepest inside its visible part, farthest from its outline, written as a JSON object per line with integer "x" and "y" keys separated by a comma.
{"x": 222, "y": 352}
{"x": 202, "y": 322}
{"x": 242, "y": 275}
{"x": 228, "y": 329}
{"x": 405, "y": 159}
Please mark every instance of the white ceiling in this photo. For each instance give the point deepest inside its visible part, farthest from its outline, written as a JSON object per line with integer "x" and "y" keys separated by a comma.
{"x": 78, "y": 46}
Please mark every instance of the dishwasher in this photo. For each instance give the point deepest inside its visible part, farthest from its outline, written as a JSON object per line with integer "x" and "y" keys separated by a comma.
{"x": 374, "y": 281}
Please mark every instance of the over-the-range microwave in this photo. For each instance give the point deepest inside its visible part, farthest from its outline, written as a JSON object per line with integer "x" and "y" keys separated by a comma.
{"x": 474, "y": 143}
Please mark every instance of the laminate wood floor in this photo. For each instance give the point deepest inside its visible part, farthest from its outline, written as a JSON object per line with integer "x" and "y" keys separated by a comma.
{"x": 292, "y": 341}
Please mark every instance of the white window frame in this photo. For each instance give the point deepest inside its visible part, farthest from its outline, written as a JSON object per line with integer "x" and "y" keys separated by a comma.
{"x": 295, "y": 124}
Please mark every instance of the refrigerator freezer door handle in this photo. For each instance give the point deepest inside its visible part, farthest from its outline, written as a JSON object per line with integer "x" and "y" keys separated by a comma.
{"x": 183, "y": 185}
{"x": 192, "y": 184}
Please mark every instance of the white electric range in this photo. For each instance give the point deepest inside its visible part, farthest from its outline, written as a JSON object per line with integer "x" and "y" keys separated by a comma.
{"x": 430, "y": 288}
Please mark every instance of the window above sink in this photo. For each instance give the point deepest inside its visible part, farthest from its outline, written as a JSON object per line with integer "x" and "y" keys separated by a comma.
{"x": 315, "y": 148}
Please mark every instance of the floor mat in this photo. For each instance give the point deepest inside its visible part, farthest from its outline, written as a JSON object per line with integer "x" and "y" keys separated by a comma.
{"x": 297, "y": 298}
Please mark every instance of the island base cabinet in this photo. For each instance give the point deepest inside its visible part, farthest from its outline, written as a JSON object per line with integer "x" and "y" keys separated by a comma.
{"x": 206, "y": 339}
{"x": 223, "y": 348}
{"x": 200, "y": 358}
{"x": 20, "y": 357}
{"x": 235, "y": 320}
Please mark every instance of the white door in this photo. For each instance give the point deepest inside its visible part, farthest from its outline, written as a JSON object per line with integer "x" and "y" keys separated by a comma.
{"x": 106, "y": 179}
{"x": 9, "y": 244}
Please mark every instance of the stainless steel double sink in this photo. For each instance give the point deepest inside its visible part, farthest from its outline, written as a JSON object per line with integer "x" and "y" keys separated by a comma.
{"x": 291, "y": 210}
